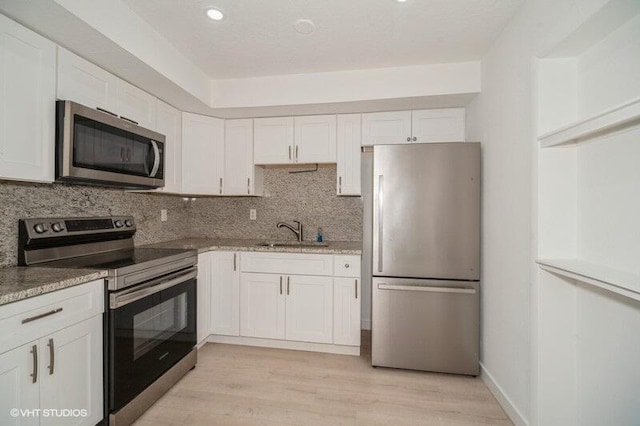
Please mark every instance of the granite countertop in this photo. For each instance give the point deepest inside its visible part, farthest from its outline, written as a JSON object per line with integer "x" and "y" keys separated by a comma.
{"x": 22, "y": 282}
{"x": 216, "y": 244}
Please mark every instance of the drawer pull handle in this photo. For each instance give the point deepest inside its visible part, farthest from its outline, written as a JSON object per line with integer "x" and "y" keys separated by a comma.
{"x": 34, "y": 351}
{"x": 37, "y": 317}
{"x": 52, "y": 356}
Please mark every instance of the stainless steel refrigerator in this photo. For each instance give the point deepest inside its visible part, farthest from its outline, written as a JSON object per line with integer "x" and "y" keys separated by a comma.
{"x": 425, "y": 256}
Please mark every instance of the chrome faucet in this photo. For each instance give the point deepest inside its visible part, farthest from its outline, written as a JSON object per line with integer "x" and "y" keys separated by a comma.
{"x": 297, "y": 231}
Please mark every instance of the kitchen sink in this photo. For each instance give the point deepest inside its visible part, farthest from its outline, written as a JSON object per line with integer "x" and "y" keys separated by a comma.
{"x": 292, "y": 244}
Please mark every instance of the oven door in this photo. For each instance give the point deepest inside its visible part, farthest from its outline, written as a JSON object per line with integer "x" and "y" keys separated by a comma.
{"x": 151, "y": 327}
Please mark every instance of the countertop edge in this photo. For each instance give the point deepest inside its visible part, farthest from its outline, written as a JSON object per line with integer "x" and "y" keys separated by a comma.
{"x": 49, "y": 287}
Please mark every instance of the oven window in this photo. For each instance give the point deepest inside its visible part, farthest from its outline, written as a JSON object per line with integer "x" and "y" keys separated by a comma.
{"x": 147, "y": 337}
{"x": 158, "y": 323}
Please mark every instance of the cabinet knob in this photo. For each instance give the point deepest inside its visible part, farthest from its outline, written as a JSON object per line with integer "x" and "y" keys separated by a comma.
{"x": 346, "y": 265}
{"x": 409, "y": 139}
{"x": 415, "y": 138}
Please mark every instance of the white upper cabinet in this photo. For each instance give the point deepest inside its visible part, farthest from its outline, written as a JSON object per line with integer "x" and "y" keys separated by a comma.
{"x": 422, "y": 126}
{"x": 27, "y": 104}
{"x": 202, "y": 154}
{"x": 240, "y": 174}
{"x": 170, "y": 125}
{"x": 315, "y": 139}
{"x": 381, "y": 128}
{"x": 273, "y": 140}
{"x": 348, "y": 154}
{"x": 136, "y": 105}
{"x": 85, "y": 83}
{"x": 438, "y": 125}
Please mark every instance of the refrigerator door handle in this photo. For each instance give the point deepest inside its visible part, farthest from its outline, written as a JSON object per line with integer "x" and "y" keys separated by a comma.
{"x": 429, "y": 289}
{"x": 380, "y": 211}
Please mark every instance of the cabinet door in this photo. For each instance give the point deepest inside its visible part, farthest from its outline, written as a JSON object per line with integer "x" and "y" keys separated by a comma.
{"x": 27, "y": 104}
{"x": 136, "y": 104}
{"x": 170, "y": 125}
{"x": 238, "y": 157}
{"x": 346, "y": 311}
{"x": 262, "y": 306}
{"x": 273, "y": 140}
{"x": 315, "y": 139}
{"x": 71, "y": 372}
{"x": 17, "y": 389}
{"x": 202, "y": 154}
{"x": 438, "y": 125}
{"x": 348, "y": 154}
{"x": 85, "y": 83}
{"x": 203, "y": 291}
{"x": 225, "y": 294}
{"x": 309, "y": 308}
{"x": 382, "y": 128}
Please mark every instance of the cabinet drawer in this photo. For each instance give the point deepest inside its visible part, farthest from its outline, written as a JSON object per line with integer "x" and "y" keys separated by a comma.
{"x": 27, "y": 320}
{"x": 287, "y": 263}
{"x": 347, "y": 266}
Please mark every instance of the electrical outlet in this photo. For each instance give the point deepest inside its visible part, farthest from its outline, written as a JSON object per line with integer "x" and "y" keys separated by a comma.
{"x": 252, "y": 214}
{"x": 163, "y": 215}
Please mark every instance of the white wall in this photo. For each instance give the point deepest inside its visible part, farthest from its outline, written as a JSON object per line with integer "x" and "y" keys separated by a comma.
{"x": 348, "y": 86}
{"x": 504, "y": 119}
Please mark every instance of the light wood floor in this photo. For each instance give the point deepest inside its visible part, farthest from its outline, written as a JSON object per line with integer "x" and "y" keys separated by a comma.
{"x": 242, "y": 385}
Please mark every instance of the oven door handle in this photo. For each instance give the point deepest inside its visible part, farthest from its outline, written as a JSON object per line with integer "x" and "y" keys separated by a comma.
{"x": 118, "y": 300}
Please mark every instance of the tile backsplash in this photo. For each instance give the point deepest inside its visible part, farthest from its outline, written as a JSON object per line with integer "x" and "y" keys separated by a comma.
{"x": 307, "y": 197}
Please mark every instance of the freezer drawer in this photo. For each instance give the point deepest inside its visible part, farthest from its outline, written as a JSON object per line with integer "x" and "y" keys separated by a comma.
{"x": 430, "y": 325}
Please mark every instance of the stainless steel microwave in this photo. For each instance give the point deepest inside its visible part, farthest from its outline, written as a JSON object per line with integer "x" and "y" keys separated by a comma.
{"x": 98, "y": 147}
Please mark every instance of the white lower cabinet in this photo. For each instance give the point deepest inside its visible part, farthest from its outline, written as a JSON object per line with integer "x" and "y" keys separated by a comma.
{"x": 225, "y": 293}
{"x": 61, "y": 368}
{"x": 71, "y": 372}
{"x": 309, "y": 309}
{"x": 290, "y": 300}
{"x": 262, "y": 305}
{"x": 17, "y": 389}
{"x": 346, "y": 311}
{"x": 203, "y": 297}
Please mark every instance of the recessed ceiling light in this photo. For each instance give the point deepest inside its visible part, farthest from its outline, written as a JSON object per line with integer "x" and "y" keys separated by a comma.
{"x": 215, "y": 14}
{"x": 304, "y": 26}
{"x": 401, "y": 1}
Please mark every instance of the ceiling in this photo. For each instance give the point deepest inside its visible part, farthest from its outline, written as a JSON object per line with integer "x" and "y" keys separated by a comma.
{"x": 257, "y": 37}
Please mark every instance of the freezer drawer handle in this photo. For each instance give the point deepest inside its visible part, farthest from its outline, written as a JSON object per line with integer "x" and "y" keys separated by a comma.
{"x": 429, "y": 289}
{"x": 380, "y": 212}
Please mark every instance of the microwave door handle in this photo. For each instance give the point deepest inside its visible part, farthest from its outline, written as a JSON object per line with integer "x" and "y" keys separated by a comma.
{"x": 156, "y": 161}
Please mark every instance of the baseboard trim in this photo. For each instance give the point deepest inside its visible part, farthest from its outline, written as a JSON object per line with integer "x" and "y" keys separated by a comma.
{"x": 285, "y": 344}
{"x": 505, "y": 402}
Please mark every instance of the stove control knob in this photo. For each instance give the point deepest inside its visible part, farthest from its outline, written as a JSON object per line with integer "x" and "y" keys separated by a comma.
{"x": 129, "y": 223}
{"x": 40, "y": 228}
{"x": 57, "y": 227}
{"x": 119, "y": 224}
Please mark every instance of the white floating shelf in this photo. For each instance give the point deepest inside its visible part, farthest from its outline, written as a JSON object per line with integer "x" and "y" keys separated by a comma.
{"x": 621, "y": 282}
{"x": 607, "y": 121}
